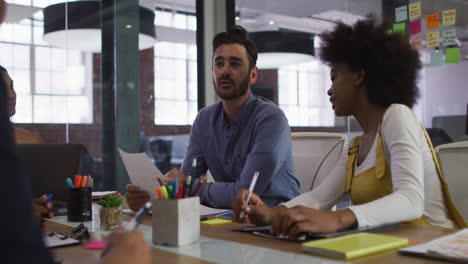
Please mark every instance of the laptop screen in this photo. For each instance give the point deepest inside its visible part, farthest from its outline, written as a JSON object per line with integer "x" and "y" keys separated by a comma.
{"x": 48, "y": 166}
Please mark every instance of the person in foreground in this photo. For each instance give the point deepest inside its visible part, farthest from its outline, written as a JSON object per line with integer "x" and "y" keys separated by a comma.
{"x": 237, "y": 136}
{"x": 21, "y": 236}
{"x": 390, "y": 171}
{"x": 21, "y": 136}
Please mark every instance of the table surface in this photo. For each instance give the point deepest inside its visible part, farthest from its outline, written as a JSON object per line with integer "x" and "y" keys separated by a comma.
{"x": 218, "y": 244}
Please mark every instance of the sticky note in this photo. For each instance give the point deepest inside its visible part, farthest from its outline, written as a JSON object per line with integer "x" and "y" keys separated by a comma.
{"x": 416, "y": 42}
{"x": 415, "y": 26}
{"x": 414, "y": 10}
{"x": 449, "y": 37}
{"x": 436, "y": 58}
{"x": 432, "y": 39}
{"x": 401, "y": 13}
{"x": 432, "y": 21}
{"x": 448, "y": 17}
{"x": 452, "y": 55}
{"x": 399, "y": 28}
{"x": 96, "y": 245}
{"x": 216, "y": 221}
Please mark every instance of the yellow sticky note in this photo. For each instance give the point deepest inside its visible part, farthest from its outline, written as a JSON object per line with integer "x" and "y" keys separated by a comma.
{"x": 415, "y": 10}
{"x": 432, "y": 39}
{"x": 448, "y": 17}
{"x": 432, "y": 21}
{"x": 216, "y": 221}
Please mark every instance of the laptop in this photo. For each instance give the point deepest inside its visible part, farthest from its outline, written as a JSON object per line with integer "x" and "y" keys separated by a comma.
{"x": 48, "y": 166}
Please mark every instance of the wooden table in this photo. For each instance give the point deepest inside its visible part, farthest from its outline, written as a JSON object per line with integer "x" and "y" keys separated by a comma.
{"x": 77, "y": 254}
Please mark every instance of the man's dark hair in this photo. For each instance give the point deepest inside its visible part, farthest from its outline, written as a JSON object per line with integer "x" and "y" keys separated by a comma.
{"x": 390, "y": 64}
{"x": 237, "y": 35}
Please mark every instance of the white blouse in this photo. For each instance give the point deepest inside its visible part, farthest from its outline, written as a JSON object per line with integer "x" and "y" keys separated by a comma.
{"x": 416, "y": 187}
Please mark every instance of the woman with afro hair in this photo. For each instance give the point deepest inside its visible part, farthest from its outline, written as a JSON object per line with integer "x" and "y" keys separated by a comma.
{"x": 390, "y": 172}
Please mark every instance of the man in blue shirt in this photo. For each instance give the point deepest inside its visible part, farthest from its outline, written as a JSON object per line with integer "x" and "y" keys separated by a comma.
{"x": 237, "y": 136}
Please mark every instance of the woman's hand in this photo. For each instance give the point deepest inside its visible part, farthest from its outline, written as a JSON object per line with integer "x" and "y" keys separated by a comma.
{"x": 291, "y": 222}
{"x": 41, "y": 210}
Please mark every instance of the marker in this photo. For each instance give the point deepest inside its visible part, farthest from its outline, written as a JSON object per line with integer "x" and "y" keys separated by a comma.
{"x": 160, "y": 182}
{"x": 91, "y": 183}
{"x": 159, "y": 192}
{"x": 69, "y": 183}
{"x": 49, "y": 198}
{"x": 252, "y": 186}
{"x": 188, "y": 182}
{"x": 83, "y": 181}
{"x": 169, "y": 191}
{"x": 180, "y": 192}
{"x": 77, "y": 181}
{"x": 175, "y": 185}
{"x": 136, "y": 221}
{"x": 88, "y": 181}
{"x": 164, "y": 191}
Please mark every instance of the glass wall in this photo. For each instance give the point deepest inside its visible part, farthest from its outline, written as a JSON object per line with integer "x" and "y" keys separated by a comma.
{"x": 300, "y": 89}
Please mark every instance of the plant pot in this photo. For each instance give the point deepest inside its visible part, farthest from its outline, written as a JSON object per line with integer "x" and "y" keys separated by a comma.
{"x": 111, "y": 217}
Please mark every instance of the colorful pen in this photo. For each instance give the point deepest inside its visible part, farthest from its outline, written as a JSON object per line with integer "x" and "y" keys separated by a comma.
{"x": 159, "y": 192}
{"x": 91, "y": 182}
{"x": 164, "y": 191}
{"x": 77, "y": 181}
{"x": 180, "y": 192}
{"x": 88, "y": 181}
{"x": 49, "y": 198}
{"x": 252, "y": 186}
{"x": 69, "y": 183}
{"x": 169, "y": 191}
{"x": 175, "y": 185}
{"x": 84, "y": 180}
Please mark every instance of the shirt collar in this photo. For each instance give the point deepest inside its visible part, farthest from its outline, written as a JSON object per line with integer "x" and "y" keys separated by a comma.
{"x": 243, "y": 114}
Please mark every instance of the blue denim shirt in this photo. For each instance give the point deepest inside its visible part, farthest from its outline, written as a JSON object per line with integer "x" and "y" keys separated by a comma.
{"x": 259, "y": 139}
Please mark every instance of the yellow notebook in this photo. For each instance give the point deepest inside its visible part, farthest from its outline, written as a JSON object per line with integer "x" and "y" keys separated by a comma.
{"x": 354, "y": 245}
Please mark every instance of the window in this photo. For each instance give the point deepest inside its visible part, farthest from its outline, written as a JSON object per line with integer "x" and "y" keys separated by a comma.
{"x": 175, "y": 81}
{"x": 51, "y": 84}
{"x": 302, "y": 94}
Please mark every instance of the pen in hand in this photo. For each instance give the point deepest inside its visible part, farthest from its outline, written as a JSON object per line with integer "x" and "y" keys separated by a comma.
{"x": 141, "y": 214}
{"x": 251, "y": 188}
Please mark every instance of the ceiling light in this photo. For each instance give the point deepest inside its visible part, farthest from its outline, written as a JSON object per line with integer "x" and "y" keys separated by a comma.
{"x": 83, "y": 30}
{"x": 282, "y": 48}
{"x": 237, "y": 18}
{"x": 271, "y": 22}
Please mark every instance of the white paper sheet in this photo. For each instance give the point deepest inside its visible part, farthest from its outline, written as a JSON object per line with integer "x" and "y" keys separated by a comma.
{"x": 205, "y": 210}
{"x": 52, "y": 241}
{"x": 141, "y": 171}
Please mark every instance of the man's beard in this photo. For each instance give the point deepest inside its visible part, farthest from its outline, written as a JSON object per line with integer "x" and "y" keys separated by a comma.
{"x": 235, "y": 93}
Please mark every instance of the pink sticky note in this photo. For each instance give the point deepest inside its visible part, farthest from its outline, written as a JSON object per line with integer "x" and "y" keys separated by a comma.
{"x": 415, "y": 26}
{"x": 96, "y": 245}
{"x": 416, "y": 42}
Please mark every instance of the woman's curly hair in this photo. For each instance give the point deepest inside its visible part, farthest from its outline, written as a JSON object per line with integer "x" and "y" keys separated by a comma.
{"x": 390, "y": 64}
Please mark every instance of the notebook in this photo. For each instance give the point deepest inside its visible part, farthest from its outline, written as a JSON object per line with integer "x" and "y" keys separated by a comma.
{"x": 48, "y": 166}
{"x": 354, "y": 245}
{"x": 452, "y": 247}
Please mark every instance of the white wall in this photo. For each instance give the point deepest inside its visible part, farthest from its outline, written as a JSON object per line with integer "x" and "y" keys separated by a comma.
{"x": 444, "y": 91}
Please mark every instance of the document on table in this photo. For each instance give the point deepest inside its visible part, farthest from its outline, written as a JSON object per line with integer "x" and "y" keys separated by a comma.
{"x": 205, "y": 211}
{"x": 53, "y": 239}
{"x": 141, "y": 171}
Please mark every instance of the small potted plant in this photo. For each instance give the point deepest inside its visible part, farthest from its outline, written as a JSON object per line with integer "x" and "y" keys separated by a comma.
{"x": 110, "y": 212}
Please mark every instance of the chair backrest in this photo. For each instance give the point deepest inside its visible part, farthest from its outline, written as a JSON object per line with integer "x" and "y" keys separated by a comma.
{"x": 315, "y": 154}
{"x": 453, "y": 158}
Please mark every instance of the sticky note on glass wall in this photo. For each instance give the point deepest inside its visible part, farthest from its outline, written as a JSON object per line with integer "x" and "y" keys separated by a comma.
{"x": 449, "y": 37}
{"x": 414, "y": 10}
{"x": 432, "y": 21}
{"x": 432, "y": 39}
{"x": 416, "y": 42}
{"x": 401, "y": 13}
{"x": 452, "y": 55}
{"x": 448, "y": 17}
{"x": 436, "y": 58}
{"x": 415, "y": 26}
{"x": 399, "y": 28}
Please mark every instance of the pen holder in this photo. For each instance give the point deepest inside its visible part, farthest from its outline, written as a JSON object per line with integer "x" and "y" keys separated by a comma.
{"x": 176, "y": 222}
{"x": 79, "y": 205}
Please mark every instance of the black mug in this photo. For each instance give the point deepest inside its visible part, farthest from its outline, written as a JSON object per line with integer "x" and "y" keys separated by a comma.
{"x": 79, "y": 205}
